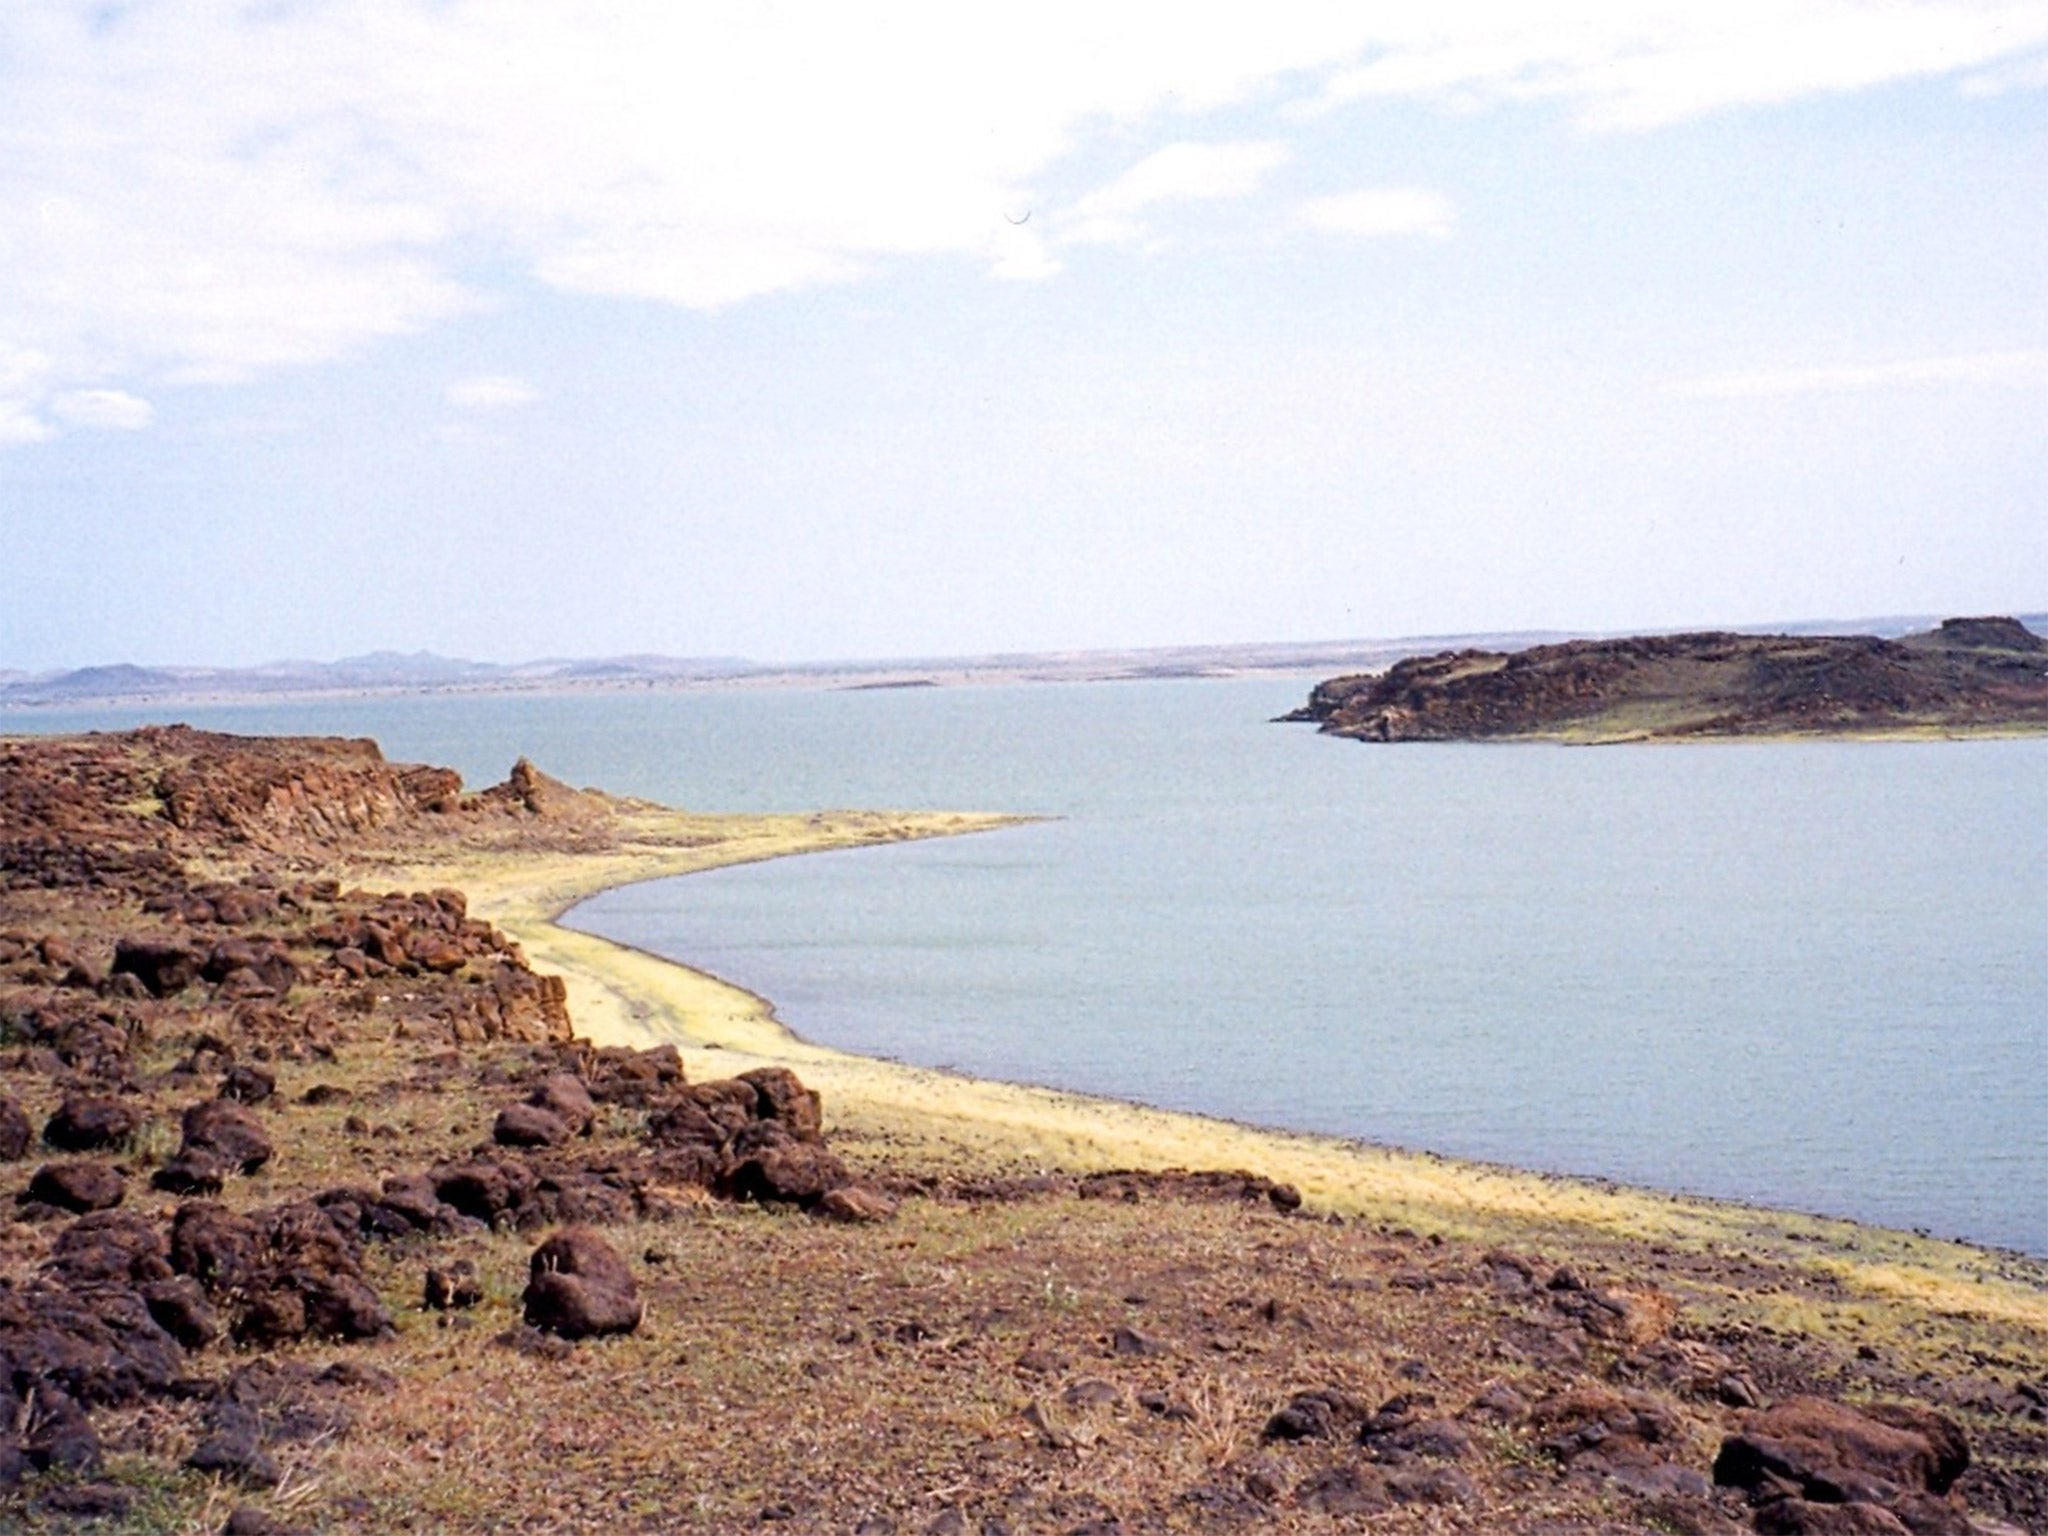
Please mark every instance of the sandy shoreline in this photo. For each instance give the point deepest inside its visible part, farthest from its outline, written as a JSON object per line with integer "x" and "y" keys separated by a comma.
{"x": 949, "y": 1122}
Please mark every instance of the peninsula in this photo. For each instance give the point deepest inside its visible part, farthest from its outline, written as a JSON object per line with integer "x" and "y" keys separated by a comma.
{"x": 344, "y": 1190}
{"x": 1967, "y": 677}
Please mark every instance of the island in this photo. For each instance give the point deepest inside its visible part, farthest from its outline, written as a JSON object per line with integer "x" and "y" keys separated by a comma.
{"x": 1970, "y": 676}
{"x": 344, "y": 1189}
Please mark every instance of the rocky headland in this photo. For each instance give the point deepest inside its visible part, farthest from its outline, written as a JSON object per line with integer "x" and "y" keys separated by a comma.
{"x": 321, "y": 1214}
{"x": 1968, "y": 676}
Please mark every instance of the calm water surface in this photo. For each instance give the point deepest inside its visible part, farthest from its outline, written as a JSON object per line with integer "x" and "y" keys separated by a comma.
{"x": 1809, "y": 974}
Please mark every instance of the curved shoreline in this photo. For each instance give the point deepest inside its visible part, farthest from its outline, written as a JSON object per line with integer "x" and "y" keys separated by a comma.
{"x": 952, "y": 1123}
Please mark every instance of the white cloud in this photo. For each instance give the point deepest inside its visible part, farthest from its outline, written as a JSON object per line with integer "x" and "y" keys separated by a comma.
{"x": 1622, "y": 64}
{"x": 1017, "y": 252}
{"x": 19, "y": 425}
{"x": 204, "y": 189}
{"x": 491, "y": 392}
{"x": 1380, "y": 211}
{"x": 1178, "y": 173}
{"x": 1995, "y": 368}
{"x": 108, "y": 409}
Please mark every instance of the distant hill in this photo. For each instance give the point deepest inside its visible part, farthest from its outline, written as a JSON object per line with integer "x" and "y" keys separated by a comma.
{"x": 1967, "y": 675}
{"x": 379, "y": 672}
{"x": 389, "y": 673}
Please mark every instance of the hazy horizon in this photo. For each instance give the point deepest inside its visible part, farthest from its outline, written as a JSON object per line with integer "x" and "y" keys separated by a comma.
{"x": 2036, "y": 619}
{"x": 832, "y": 332}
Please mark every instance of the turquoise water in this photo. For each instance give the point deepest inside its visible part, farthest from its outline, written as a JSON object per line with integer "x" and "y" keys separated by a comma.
{"x": 1809, "y": 974}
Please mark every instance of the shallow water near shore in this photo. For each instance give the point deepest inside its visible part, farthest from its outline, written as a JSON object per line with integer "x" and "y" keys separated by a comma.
{"x": 1806, "y": 974}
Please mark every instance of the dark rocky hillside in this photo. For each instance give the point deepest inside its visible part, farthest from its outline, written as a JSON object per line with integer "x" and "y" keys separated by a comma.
{"x": 1969, "y": 675}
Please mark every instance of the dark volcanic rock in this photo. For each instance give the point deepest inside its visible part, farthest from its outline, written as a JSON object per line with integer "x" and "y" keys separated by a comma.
{"x": 528, "y": 1125}
{"x": 568, "y": 1099}
{"x": 215, "y": 1246}
{"x": 247, "y": 1084}
{"x": 223, "y": 1129}
{"x": 178, "y": 1305}
{"x": 191, "y": 1173}
{"x": 233, "y": 1448}
{"x": 771, "y": 1168}
{"x": 16, "y": 1132}
{"x": 1835, "y": 1454}
{"x": 452, "y": 1289}
{"x": 578, "y": 1286}
{"x": 59, "y": 1437}
{"x": 84, "y": 1123}
{"x": 787, "y": 1102}
{"x": 98, "y": 1345}
{"x": 1319, "y": 1415}
{"x": 163, "y": 967}
{"x": 110, "y": 1248}
{"x": 1799, "y": 1517}
{"x": 79, "y": 1186}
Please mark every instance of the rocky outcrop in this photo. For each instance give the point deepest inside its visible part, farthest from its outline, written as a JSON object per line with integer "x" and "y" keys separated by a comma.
{"x": 1969, "y": 673}
{"x": 1802, "y": 1460}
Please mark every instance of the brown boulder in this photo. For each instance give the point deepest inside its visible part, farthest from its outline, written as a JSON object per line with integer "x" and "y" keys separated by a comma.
{"x": 1317, "y": 1415}
{"x": 452, "y": 1289}
{"x": 98, "y": 1344}
{"x": 578, "y": 1287}
{"x": 109, "y": 1248}
{"x": 565, "y": 1096}
{"x": 80, "y": 1186}
{"x": 685, "y": 1123}
{"x": 773, "y": 1169}
{"x": 164, "y": 967}
{"x": 489, "y": 1192}
{"x": 84, "y": 1123}
{"x": 229, "y": 1132}
{"x": 1604, "y": 1428}
{"x": 58, "y": 1436}
{"x": 787, "y": 1101}
{"x": 1831, "y": 1453}
{"x": 621, "y": 1075}
{"x": 16, "y": 1132}
{"x": 247, "y": 1084}
{"x": 1799, "y": 1517}
{"x": 528, "y": 1125}
{"x": 215, "y": 1246}
{"x": 178, "y": 1305}
{"x": 855, "y": 1205}
{"x": 191, "y": 1173}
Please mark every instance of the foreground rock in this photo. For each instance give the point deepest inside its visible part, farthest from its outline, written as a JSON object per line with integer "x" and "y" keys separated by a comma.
{"x": 1814, "y": 1465}
{"x": 579, "y": 1287}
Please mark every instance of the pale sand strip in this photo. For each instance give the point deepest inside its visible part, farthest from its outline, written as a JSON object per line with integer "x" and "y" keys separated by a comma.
{"x": 619, "y": 995}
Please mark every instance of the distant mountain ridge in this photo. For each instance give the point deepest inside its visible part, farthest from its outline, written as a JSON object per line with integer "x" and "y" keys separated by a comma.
{"x": 376, "y": 672}
{"x": 392, "y": 672}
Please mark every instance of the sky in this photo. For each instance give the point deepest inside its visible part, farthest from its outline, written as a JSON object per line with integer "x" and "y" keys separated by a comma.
{"x": 510, "y": 329}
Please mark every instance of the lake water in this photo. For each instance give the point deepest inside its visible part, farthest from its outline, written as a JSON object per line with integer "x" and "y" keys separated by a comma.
{"x": 1812, "y": 975}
